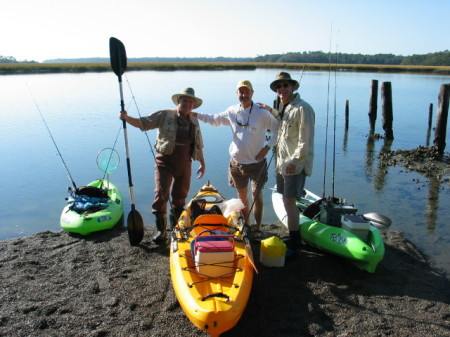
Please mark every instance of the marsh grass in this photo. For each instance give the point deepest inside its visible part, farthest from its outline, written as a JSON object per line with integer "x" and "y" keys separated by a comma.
{"x": 41, "y": 68}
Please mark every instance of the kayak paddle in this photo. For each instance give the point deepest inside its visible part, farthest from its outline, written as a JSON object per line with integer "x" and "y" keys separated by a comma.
{"x": 135, "y": 224}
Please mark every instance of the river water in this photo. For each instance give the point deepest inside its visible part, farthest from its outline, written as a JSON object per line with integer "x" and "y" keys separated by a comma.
{"x": 81, "y": 111}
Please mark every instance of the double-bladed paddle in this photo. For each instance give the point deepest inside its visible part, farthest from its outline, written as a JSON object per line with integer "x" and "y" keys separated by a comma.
{"x": 135, "y": 224}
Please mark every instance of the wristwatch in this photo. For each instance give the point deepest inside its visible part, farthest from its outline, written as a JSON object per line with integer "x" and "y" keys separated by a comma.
{"x": 267, "y": 147}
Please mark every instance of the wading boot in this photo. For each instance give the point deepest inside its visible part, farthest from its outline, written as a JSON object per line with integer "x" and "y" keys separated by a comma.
{"x": 292, "y": 245}
{"x": 161, "y": 224}
{"x": 174, "y": 216}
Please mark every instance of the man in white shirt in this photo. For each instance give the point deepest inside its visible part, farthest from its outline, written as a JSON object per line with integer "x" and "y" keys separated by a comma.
{"x": 249, "y": 124}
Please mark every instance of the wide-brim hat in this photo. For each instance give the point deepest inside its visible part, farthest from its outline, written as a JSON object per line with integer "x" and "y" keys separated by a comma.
{"x": 283, "y": 76}
{"x": 189, "y": 92}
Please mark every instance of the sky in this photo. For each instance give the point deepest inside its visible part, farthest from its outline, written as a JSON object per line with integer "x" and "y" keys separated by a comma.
{"x": 50, "y": 29}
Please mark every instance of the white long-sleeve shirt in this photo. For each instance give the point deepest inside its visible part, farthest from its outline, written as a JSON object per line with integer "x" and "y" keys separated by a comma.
{"x": 249, "y": 139}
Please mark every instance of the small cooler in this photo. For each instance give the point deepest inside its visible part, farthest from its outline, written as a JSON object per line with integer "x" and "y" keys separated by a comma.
{"x": 357, "y": 225}
{"x": 214, "y": 255}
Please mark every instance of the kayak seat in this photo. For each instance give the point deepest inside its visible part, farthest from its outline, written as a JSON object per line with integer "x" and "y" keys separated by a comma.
{"x": 209, "y": 221}
{"x": 92, "y": 191}
{"x": 313, "y": 209}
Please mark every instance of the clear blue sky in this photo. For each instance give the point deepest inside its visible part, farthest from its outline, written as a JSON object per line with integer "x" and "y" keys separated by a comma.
{"x": 46, "y": 29}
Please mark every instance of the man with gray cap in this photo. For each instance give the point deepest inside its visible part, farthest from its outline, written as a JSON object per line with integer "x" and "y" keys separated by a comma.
{"x": 249, "y": 147}
{"x": 295, "y": 150}
{"x": 179, "y": 141}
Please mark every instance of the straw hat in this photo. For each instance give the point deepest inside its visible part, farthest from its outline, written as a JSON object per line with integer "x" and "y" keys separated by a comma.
{"x": 283, "y": 77}
{"x": 189, "y": 92}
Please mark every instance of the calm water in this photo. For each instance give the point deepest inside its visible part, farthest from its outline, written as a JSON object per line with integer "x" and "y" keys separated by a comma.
{"x": 81, "y": 111}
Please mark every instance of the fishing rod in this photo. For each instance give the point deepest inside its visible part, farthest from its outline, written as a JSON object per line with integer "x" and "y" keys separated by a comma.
{"x": 53, "y": 139}
{"x": 145, "y": 132}
{"x": 327, "y": 119}
{"x": 334, "y": 130}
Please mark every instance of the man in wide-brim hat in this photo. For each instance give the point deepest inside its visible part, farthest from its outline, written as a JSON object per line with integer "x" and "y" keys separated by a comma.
{"x": 179, "y": 141}
{"x": 295, "y": 150}
{"x": 283, "y": 77}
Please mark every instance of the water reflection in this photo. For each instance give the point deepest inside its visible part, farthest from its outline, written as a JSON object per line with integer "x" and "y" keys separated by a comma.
{"x": 433, "y": 203}
{"x": 345, "y": 143}
{"x": 369, "y": 157}
{"x": 427, "y": 142}
{"x": 382, "y": 168}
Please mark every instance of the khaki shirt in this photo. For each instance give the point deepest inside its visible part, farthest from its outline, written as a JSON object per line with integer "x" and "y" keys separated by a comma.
{"x": 166, "y": 122}
{"x": 295, "y": 143}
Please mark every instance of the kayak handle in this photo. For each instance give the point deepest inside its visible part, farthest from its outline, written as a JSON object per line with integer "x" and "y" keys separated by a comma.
{"x": 222, "y": 295}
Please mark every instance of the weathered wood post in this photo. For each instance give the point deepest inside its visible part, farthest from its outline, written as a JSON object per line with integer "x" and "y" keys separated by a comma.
{"x": 347, "y": 110}
{"x": 430, "y": 122}
{"x": 386, "y": 99}
{"x": 373, "y": 105}
{"x": 430, "y": 116}
{"x": 441, "y": 120}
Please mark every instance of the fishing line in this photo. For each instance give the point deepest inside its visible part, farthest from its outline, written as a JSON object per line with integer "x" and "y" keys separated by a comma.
{"x": 139, "y": 113}
{"x": 328, "y": 112}
{"x": 145, "y": 132}
{"x": 53, "y": 139}
{"x": 334, "y": 131}
{"x": 110, "y": 156}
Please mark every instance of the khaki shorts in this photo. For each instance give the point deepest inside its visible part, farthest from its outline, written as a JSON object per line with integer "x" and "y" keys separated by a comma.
{"x": 291, "y": 186}
{"x": 240, "y": 174}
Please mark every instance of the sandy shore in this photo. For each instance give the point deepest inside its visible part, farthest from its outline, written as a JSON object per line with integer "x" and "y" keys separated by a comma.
{"x": 56, "y": 284}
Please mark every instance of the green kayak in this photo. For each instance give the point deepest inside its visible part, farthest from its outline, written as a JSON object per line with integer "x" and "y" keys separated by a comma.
{"x": 95, "y": 207}
{"x": 335, "y": 227}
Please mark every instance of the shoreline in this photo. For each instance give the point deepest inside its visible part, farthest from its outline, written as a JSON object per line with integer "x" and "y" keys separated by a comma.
{"x": 48, "y": 68}
{"x": 58, "y": 284}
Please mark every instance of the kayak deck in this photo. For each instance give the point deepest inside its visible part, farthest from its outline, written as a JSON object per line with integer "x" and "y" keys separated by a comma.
{"x": 321, "y": 225}
{"x": 210, "y": 268}
{"x": 89, "y": 221}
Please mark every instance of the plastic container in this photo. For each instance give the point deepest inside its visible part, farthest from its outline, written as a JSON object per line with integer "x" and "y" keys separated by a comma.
{"x": 272, "y": 252}
{"x": 214, "y": 255}
{"x": 357, "y": 225}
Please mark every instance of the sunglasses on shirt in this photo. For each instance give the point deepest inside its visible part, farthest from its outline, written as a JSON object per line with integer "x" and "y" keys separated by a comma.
{"x": 284, "y": 85}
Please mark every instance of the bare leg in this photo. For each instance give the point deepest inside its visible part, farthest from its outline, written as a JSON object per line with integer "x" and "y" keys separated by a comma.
{"x": 243, "y": 195}
{"x": 292, "y": 213}
{"x": 258, "y": 208}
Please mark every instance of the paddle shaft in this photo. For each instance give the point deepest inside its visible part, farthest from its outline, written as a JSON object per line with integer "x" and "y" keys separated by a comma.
{"x": 127, "y": 151}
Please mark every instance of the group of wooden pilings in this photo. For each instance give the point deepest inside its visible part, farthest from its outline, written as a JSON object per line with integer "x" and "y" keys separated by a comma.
{"x": 387, "y": 112}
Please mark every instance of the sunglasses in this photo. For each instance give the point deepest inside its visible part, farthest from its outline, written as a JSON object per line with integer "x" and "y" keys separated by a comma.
{"x": 284, "y": 85}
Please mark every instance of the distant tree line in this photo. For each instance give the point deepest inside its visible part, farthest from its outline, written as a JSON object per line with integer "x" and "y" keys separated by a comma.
{"x": 155, "y": 60}
{"x": 10, "y": 59}
{"x": 432, "y": 59}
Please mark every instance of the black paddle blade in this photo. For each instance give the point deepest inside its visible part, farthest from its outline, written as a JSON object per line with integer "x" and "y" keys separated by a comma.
{"x": 118, "y": 56}
{"x": 135, "y": 226}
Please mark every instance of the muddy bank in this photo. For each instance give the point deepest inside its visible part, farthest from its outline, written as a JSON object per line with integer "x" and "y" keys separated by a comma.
{"x": 56, "y": 284}
{"x": 423, "y": 159}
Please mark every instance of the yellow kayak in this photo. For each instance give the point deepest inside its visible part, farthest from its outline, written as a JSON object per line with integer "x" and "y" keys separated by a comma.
{"x": 211, "y": 263}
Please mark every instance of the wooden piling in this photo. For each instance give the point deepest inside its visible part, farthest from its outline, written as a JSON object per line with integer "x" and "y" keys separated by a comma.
{"x": 430, "y": 116}
{"x": 441, "y": 119}
{"x": 387, "y": 118}
{"x": 373, "y": 104}
{"x": 347, "y": 110}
